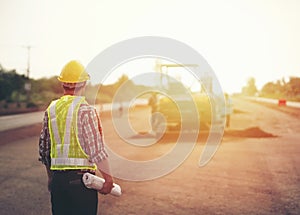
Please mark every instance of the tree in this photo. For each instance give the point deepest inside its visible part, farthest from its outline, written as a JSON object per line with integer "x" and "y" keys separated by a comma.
{"x": 268, "y": 88}
{"x": 123, "y": 79}
{"x": 281, "y": 88}
{"x": 250, "y": 89}
{"x": 293, "y": 87}
{"x": 11, "y": 83}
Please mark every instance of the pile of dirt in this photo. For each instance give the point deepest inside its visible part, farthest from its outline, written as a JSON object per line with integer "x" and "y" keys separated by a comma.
{"x": 254, "y": 132}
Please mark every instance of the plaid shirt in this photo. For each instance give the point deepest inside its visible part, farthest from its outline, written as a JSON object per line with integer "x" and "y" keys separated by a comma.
{"x": 89, "y": 135}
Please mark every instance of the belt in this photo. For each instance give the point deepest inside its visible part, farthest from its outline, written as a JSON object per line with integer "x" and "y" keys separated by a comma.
{"x": 74, "y": 171}
{"x": 72, "y": 177}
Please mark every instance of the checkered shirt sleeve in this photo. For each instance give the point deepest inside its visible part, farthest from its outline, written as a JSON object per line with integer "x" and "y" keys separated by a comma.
{"x": 44, "y": 142}
{"x": 91, "y": 140}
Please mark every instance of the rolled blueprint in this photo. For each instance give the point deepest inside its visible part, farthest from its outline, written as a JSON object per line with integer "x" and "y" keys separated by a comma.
{"x": 94, "y": 182}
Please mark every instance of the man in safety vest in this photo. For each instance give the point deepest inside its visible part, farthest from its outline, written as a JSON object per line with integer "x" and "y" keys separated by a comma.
{"x": 71, "y": 143}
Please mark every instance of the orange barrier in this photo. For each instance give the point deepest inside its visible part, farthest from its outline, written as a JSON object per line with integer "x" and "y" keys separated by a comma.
{"x": 281, "y": 102}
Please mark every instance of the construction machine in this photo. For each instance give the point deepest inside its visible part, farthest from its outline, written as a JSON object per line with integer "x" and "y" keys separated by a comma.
{"x": 181, "y": 108}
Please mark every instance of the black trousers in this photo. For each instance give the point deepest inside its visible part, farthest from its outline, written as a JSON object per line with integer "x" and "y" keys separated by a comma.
{"x": 69, "y": 196}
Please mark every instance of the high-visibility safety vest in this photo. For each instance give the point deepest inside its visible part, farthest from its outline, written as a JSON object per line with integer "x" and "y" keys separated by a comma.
{"x": 66, "y": 151}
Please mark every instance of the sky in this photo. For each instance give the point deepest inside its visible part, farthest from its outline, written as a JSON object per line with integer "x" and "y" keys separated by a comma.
{"x": 238, "y": 39}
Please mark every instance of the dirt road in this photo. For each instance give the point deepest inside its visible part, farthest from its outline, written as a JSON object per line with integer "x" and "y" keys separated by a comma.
{"x": 256, "y": 170}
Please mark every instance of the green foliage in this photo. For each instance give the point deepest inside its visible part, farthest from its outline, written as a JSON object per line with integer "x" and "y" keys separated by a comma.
{"x": 11, "y": 85}
{"x": 42, "y": 91}
{"x": 250, "y": 89}
{"x": 293, "y": 86}
{"x": 282, "y": 89}
{"x": 47, "y": 84}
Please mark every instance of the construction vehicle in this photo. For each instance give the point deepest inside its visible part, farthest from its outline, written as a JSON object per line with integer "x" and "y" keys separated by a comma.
{"x": 180, "y": 108}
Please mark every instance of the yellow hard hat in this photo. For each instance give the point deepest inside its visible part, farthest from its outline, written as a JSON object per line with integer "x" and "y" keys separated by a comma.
{"x": 73, "y": 72}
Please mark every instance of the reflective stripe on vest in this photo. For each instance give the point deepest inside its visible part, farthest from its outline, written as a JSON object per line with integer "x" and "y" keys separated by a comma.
{"x": 70, "y": 162}
{"x": 62, "y": 159}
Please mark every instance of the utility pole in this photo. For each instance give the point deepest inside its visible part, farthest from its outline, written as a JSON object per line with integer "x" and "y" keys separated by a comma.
{"x": 28, "y": 60}
{"x": 27, "y": 86}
